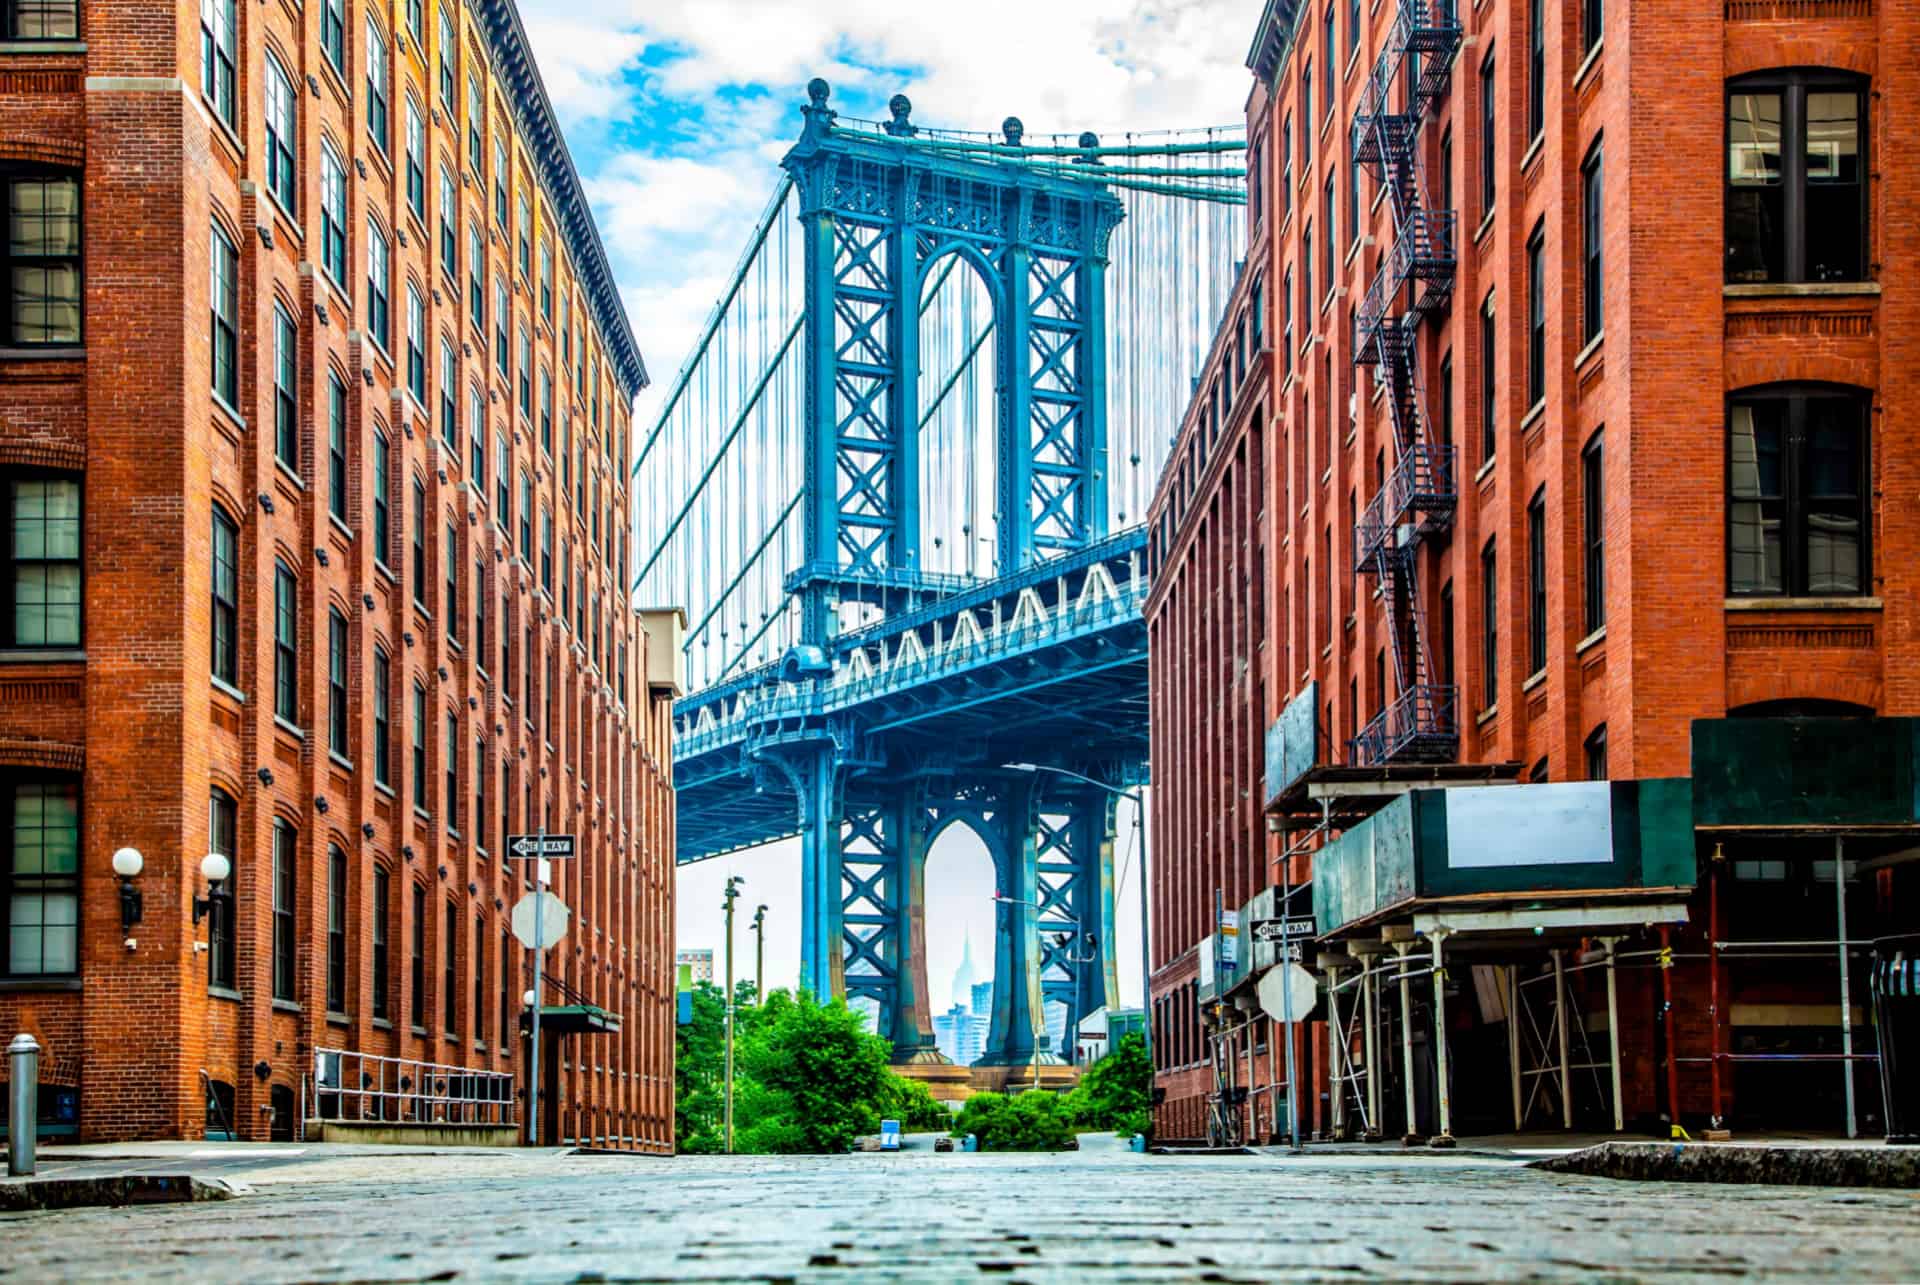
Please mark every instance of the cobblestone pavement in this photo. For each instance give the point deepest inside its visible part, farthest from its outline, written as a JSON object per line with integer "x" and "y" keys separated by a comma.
{"x": 1101, "y": 1216}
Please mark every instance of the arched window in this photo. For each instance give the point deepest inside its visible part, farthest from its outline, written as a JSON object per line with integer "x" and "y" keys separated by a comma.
{"x": 1796, "y": 177}
{"x": 1797, "y": 481}
{"x": 222, "y": 818}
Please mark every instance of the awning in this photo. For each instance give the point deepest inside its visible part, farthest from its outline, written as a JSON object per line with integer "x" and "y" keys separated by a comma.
{"x": 573, "y": 1019}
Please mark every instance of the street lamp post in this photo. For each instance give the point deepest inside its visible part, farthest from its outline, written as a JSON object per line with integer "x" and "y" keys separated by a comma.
{"x": 1139, "y": 803}
{"x": 760, "y": 955}
{"x": 733, "y": 892}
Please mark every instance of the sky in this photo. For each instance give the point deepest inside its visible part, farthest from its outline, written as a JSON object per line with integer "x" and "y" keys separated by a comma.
{"x": 677, "y": 112}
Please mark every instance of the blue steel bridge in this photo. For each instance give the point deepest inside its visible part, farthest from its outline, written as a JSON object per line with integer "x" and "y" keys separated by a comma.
{"x": 899, "y": 488}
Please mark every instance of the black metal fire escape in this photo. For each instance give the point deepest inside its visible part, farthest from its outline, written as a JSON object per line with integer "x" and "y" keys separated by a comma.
{"x": 1415, "y": 279}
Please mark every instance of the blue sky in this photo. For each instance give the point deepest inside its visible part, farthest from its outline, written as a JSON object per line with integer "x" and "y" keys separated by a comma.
{"x": 677, "y": 112}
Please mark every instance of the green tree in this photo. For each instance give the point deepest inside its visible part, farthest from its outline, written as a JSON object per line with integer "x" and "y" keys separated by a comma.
{"x": 1037, "y": 1120}
{"x": 909, "y": 1101}
{"x": 1117, "y": 1091}
{"x": 823, "y": 1071}
{"x": 700, "y": 1063}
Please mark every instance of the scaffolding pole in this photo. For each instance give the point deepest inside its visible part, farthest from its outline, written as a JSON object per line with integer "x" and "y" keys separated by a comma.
{"x": 1613, "y": 1032}
{"x": 1560, "y": 1037}
{"x": 1342, "y": 1060}
{"x": 1412, "y": 1135}
{"x": 1513, "y": 1041}
{"x": 1444, "y": 1138}
{"x": 1846, "y": 992}
{"x": 1370, "y": 997}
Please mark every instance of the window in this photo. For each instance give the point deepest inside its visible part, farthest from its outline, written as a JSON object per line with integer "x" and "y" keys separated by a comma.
{"x": 546, "y": 551}
{"x": 42, "y": 869}
{"x": 416, "y": 160}
{"x": 281, "y": 113}
{"x": 1487, "y": 148}
{"x": 526, "y": 372}
{"x": 477, "y": 438}
{"x": 420, "y": 747}
{"x": 336, "y": 447}
{"x": 286, "y": 390}
{"x": 382, "y": 480}
{"x": 285, "y": 919}
{"x": 502, "y": 482}
{"x": 546, "y": 278}
{"x": 226, "y": 597}
{"x": 1536, "y": 68}
{"x": 502, "y": 320}
{"x": 337, "y": 682}
{"x": 1447, "y": 657}
{"x": 333, "y": 214}
{"x": 333, "y": 33}
{"x": 1329, "y": 224}
{"x": 479, "y": 978}
{"x": 1592, "y": 250}
{"x": 416, "y": 20}
{"x": 1593, "y": 23}
{"x": 1797, "y": 493}
{"x": 382, "y": 910}
{"x": 377, "y": 122}
{"x": 419, "y": 542}
{"x": 449, "y": 225}
{"x": 1537, "y": 582}
{"x": 417, "y": 964}
{"x": 449, "y": 47}
{"x": 480, "y": 596}
{"x": 449, "y": 397}
{"x": 1489, "y": 390}
{"x": 477, "y": 279}
{"x": 451, "y": 770}
{"x": 1537, "y": 316}
{"x": 1353, "y": 27}
{"x": 546, "y": 416}
{"x": 416, "y": 344}
{"x": 1597, "y": 754}
{"x": 476, "y": 123}
{"x": 1489, "y": 629}
{"x": 526, "y": 235}
{"x": 221, "y": 826}
{"x": 1593, "y": 503}
{"x": 224, "y": 303}
{"x": 286, "y": 644}
{"x": 452, "y": 558}
{"x": 526, "y": 515}
{"x": 382, "y": 718}
{"x": 217, "y": 23}
{"x": 42, "y": 213}
{"x": 1443, "y": 395}
{"x": 501, "y": 177}
{"x": 40, "y": 19}
{"x": 1796, "y": 197}
{"x": 336, "y": 930}
{"x": 566, "y": 581}
{"x": 379, "y": 284}
{"x": 449, "y": 980}
{"x": 1306, "y": 114}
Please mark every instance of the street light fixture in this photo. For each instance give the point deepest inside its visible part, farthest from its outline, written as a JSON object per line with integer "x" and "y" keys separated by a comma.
{"x": 214, "y": 868}
{"x": 128, "y": 863}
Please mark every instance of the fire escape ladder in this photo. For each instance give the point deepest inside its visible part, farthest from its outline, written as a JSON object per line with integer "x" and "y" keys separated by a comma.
{"x": 1413, "y": 280}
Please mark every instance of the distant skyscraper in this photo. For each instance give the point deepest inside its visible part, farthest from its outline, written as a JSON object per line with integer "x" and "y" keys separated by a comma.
{"x": 700, "y": 960}
{"x": 965, "y": 978}
{"x": 983, "y": 998}
{"x": 961, "y": 1032}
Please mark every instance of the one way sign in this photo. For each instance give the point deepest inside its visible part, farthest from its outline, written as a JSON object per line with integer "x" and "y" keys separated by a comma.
{"x": 554, "y": 847}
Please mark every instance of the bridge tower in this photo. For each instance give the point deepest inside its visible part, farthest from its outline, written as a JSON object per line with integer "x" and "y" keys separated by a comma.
{"x": 881, "y": 211}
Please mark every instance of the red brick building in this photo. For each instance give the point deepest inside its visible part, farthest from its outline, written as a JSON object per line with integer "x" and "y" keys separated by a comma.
{"x": 1637, "y": 472}
{"x": 314, "y": 446}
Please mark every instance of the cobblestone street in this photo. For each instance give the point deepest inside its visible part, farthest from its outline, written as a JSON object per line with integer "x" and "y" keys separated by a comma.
{"x": 1105, "y": 1215}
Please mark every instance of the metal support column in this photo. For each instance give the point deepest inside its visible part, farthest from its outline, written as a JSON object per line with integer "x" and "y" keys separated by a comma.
{"x": 1341, "y": 1060}
{"x": 1369, "y": 996}
{"x": 1846, "y": 990}
{"x": 1560, "y": 1037}
{"x": 1412, "y": 1133}
{"x": 1513, "y": 1042}
{"x": 1444, "y": 1138}
{"x": 1613, "y": 1030}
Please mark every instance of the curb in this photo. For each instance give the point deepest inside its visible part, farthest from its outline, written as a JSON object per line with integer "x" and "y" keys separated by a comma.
{"x": 28, "y": 1194}
{"x": 1737, "y": 1163}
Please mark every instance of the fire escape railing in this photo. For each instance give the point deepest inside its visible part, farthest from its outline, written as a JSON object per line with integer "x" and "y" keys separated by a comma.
{"x": 1417, "y": 498}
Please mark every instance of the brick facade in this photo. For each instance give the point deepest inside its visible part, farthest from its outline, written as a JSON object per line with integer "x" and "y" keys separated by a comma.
{"x": 545, "y": 679}
{"x": 1254, "y": 519}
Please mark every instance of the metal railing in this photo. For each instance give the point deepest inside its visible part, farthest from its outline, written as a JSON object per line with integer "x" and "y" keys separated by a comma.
{"x": 365, "y": 1088}
{"x": 1418, "y": 726}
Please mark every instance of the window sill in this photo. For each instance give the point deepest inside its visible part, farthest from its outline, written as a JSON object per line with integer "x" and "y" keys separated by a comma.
{"x": 1594, "y": 345}
{"x": 1596, "y": 637}
{"x": 222, "y": 404}
{"x": 421, "y": 814}
{"x": 1539, "y": 676}
{"x": 1480, "y": 232}
{"x": 1538, "y": 145}
{"x": 63, "y": 353}
{"x": 381, "y": 1024}
{"x": 285, "y": 1006}
{"x": 43, "y": 46}
{"x": 50, "y": 655}
{"x": 1486, "y": 470}
{"x": 385, "y": 571}
{"x": 287, "y": 475}
{"x": 1798, "y": 289}
{"x": 339, "y": 760}
{"x": 1487, "y": 715}
{"x": 283, "y": 725}
{"x": 346, "y": 532}
{"x": 421, "y": 1031}
{"x": 383, "y": 788}
{"x": 1534, "y": 414}
{"x": 1591, "y": 61}
{"x": 14, "y": 985}
{"x": 227, "y": 993}
{"x": 228, "y": 690}
{"x": 1804, "y": 604}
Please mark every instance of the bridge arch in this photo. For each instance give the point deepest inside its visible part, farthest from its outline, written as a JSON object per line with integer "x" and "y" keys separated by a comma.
{"x": 957, "y": 411}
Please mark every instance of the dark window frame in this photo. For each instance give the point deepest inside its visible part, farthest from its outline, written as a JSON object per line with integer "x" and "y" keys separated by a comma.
{"x": 286, "y": 643}
{"x": 1490, "y": 624}
{"x": 224, "y": 594}
{"x": 11, "y": 562}
{"x": 1795, "y": 500}
{"x": 223, "y": 814}
{"x": 1537, "y": 315}
{"x": 285, "y": 911}
{"x": 1593, "y": 478}
{"x": 1592, "y": 243}
{"x": 11, "y": 26}
{"x": 1537, "y": 582}
{"x": 382, "y": 961}
{"x": 338, "y": 649}
{"x": 72, "y": 261}
{"x": 1793, "y": 87}
{"x": 336, "y": 929}
{"x": 60, "y": 884}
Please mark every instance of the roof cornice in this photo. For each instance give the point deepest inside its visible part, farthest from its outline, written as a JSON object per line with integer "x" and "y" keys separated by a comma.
{"x": 513, "y": 59}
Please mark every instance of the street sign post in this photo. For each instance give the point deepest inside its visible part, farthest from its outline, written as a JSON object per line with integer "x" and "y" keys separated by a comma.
{"x": 546, "y": 922}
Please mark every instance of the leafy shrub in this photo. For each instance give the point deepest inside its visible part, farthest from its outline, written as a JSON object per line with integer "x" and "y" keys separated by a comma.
{"x": 1034, "y": 1121}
